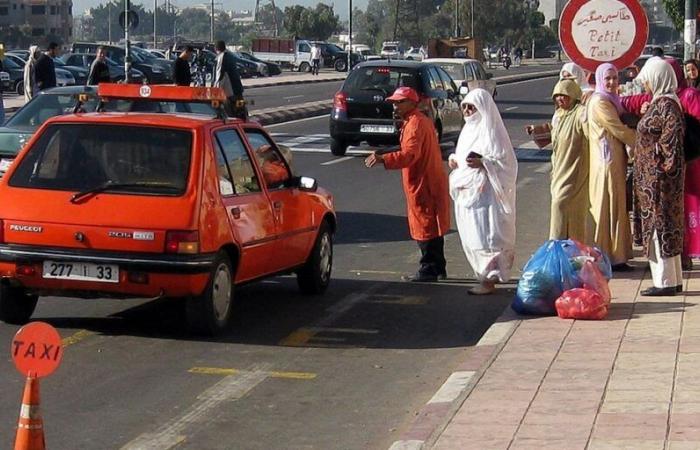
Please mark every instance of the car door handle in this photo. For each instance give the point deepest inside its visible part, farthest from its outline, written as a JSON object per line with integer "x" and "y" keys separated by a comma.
{"x": 277, "y": 205}
{"x": 236, "y": 212}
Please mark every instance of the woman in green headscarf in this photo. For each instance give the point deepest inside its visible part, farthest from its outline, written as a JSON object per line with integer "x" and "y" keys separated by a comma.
{"x": 570, "y": 205}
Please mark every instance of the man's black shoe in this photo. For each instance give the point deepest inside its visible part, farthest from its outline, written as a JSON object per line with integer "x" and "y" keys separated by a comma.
{"x": 659, "y": 292}
{"x": 624, "y": 267}
{"x": 420, "y": 278}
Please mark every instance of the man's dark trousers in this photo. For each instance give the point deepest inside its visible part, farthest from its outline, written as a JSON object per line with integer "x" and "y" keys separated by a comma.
{"x": 432, "y": 261}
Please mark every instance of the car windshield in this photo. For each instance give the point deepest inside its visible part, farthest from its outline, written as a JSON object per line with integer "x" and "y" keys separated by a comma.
{"x": 57, "y": 62}
{"x": 389, "y": 48}
{"x": 131, "y": 159}
{"x": 10, "y": 64}
{"x": 455, "y": 70}
{"x": 380, "y": 79}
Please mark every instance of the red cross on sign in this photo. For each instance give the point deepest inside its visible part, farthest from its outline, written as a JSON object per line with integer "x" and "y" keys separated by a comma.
{"x": 36, "y": 349}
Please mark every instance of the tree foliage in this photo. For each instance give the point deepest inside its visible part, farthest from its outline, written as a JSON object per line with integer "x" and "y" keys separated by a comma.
{"x": 318, "y": 23}
{"x": 676, "y": 11}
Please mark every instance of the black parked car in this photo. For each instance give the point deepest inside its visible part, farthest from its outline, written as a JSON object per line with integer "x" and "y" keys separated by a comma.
{"x": 335, "y": 57}
{"x": 79, "y": 73}
{"x": 361, "y": 113}
{"x": 116, "y": 72}
{"x": 272, "y": 68}
{"x": 156, "y": 70}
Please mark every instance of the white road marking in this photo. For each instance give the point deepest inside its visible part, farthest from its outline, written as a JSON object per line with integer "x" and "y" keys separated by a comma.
{"x": 451, "y": 388}
{"x": 232, "y": 387}
{"x": 407, "y": 445}
{"x": 293, "y": 96}
{"x": 294, "y": 121}
{"x": 336, "y": 161}
{"x": 512, "y": 108}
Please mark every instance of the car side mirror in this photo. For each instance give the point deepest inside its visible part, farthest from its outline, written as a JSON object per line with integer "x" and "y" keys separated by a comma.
{"x": 306, "y": 184}
{"x": 464, "y": 89}
{"x": 489, "y": 75}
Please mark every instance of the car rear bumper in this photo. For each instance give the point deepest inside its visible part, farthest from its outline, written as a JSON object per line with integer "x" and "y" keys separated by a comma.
{"x": 158, "y": 275}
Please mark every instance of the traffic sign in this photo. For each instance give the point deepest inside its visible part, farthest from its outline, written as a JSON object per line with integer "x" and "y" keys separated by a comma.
{"x": 36, "y": 349}
{"x": 593, "y": 32}
{"x": 133, "y": 20}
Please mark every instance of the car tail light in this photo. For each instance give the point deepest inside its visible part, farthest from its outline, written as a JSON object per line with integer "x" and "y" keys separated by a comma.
{"x": 340, "y": 101}
{"x": 28, "y": 271}
{"x": 383, "y": 70}
{"x": 182, "y": 242}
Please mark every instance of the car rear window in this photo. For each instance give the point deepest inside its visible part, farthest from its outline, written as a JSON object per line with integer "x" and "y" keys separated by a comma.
{"x": 455, "y": 70}
{"x": 151, "y": 161}
{"x": 381, "y": 79}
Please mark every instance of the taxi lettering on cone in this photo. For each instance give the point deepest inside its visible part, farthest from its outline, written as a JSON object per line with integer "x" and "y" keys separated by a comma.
{"x": 36, "y": 351}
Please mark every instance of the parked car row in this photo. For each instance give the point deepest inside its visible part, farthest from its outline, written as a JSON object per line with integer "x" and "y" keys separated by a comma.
{"x": 13, "y": 64}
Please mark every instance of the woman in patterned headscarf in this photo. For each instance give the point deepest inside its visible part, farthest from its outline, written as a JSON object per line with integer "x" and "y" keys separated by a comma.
{"x": 608, "y": 163}
{"x": 658, "y": 178}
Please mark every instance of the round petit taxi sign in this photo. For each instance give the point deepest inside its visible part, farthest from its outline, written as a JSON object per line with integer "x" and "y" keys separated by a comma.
{"x": 593, "y": 32}
{"x": 145, "y": 91}
{"x": 36, "y": 349}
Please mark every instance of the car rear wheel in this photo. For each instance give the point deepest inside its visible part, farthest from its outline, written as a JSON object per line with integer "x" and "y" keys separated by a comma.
{"x": 19, "y": 87}
{"x": 210, "y": 312}
{"x": 304, "y": 67}
{"x": 340, "y": 65}
{"x": 16, "y": 306}
{"x": 315, "y": 276}
{"x": 338, "y": 147}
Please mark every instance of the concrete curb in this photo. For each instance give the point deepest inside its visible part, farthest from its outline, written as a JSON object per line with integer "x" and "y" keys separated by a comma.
{"x": 434, "y": 417}
{"x": 305, "y": 110}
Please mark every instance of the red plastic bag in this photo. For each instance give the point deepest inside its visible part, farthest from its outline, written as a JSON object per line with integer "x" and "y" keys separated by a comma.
{"x": 592, "y": 278}
{"x": 581, "y": 303}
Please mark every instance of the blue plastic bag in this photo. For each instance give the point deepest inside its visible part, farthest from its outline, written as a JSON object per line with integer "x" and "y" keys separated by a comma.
{"x": 574, "y": 249}
{"x": 545, "y": 277}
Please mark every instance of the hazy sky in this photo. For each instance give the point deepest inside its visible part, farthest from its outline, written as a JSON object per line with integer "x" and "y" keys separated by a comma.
{"x": 341, "y": 7}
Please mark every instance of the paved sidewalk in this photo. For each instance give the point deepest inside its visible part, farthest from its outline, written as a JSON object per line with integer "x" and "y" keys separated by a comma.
{"x": 630, "y": 381}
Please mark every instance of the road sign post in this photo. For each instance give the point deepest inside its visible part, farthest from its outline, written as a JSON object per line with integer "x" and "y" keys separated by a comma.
{"x": 593, "y": 32}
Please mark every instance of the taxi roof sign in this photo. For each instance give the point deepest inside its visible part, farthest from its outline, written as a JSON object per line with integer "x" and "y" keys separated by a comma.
{"x": 161, "y": 92}
{"x": 36, "y": 349}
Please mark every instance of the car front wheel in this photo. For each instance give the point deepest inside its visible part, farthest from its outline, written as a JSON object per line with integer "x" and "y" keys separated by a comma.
{"x": 340, "y": 65}
{"x": 315, "y": 276}
{"x": 210, "y": 312}
{"x": 16, "y": 306}
{"x": 304, "y": 67}
{"x": 338, "y": 147}
{"x": 19, "y": 88}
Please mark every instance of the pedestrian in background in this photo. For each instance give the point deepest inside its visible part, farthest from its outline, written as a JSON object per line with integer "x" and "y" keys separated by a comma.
{"x": 658, "y": 178}
{"x": 570, "y": 209}
{"x": 692, "y": 73}
{"x": 44, "y": 69}
{"x": 315, "y": 58}
{"x": 30, "y": 89}
{"x": 482, "y": 185}
{"x": 518, "y": 56}
{"x": 424, "y": 183}
{"x": 226, "y": 77}
{"x": 99, "y": 70}
{"x": 608, "y": 137}
{"x": 183, "y": 75}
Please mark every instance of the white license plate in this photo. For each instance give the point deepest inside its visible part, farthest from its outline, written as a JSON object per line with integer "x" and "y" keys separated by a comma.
{"x": 388, "y": 129}
{"x": 106, "y": 273}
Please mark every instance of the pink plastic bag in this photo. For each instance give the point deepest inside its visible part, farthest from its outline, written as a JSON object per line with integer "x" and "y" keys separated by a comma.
{"x": 592, "y": 278}
{"x": 581, "y": 303}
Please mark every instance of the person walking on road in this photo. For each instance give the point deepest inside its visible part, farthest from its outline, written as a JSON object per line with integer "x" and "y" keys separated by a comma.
{"x": 482, "y": 185}
{"x": 608, "y": 165}
{"x": 99, "y": 70}
{"x": 315, "y": 58}
{"x": 658, "y": 178}
{"x": 44, "y": 69}
{"x": 226, "y": 77}
{"x": 30, "y": 89}
{"x": 183, "y": 75}
{"x": 424, "y": 183}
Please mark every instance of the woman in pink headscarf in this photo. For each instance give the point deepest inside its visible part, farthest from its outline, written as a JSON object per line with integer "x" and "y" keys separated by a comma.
{"x": 608, "y": 137}
{"x": 690, "y": 102}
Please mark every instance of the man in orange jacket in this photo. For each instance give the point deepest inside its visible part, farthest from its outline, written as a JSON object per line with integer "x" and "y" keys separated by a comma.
{"x": 424, "y": 183}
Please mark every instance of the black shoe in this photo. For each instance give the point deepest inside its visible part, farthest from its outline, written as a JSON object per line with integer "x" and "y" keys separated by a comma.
{"x": 679, "y": 288}
{"x": 420, "y": 278}
{"x": 660, "y": 292}
{"x": 442, "y": 275}
{"x": 624, "y": 267}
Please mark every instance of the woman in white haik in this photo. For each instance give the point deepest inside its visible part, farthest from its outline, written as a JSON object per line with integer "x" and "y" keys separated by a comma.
{"x": 482, "y": 185}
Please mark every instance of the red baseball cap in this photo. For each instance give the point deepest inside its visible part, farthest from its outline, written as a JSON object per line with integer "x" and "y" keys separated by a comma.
{"x": 404, "y": 93}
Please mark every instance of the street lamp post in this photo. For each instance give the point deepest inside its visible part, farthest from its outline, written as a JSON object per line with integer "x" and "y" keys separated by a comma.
{"x": 690, "y": 30}
{"x": 211, "y": 31}
{"x": 155, "y": 32}
{"x": 350, "y": 36}
{"x": 472, "y": 36}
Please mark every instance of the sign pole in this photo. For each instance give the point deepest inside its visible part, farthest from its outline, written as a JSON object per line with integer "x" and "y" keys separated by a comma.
{"x": 127, "y": 44}
{"x": 350, "y": 36}
{"x": 689, "y": 29}
{"x": 155, "y": 32}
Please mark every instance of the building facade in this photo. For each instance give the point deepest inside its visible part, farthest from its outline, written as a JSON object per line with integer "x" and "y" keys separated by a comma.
{"x": 46, "y": 18}
{"x": 551, "y": 9}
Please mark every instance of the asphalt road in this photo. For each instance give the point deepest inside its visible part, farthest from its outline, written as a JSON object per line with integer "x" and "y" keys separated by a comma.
{"x": 347, "y": 370}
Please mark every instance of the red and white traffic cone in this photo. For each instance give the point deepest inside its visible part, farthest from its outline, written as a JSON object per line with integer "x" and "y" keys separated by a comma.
{"x": 30, "y": 429}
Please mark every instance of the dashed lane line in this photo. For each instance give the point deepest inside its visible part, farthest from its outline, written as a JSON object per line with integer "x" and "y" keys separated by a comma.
{"x": 336, "y": 161}
{"x": 271, "y": 374}
{"x": 76, "y": 337}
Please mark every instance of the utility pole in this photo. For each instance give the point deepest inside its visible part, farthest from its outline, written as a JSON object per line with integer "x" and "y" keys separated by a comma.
{"x": 127, "y": 44}
{"x": 456, "y": 18}
{"x": 472, "y": 36}
{"x": 350, "y": 36}
{"x": 689, "y": 31}
{"x": 211, "y": 31}
{"x": 109, "y": 21}
{"x": 155, "y": 32}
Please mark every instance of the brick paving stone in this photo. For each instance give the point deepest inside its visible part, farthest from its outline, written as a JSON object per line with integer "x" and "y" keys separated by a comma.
{"x": 686, "y": 408}
{"x": 684, "y": 433}
{"x": 636, "y": 395}
{"x": 548, "y": 444}
{"x": 636, "y": 407}
{"x": 666, "y": 346}
{"x": 483, "y": 394}
{"x": 458, "y": 442}
{"x": 684, "y": 445}
{"x": 586, "y": 402}
{"x": 631, "y": 432}
{"x": 504, "y": 411}
{"x": 577, "y": 380}
{"x": 632, "y": 419}
{"x": 481, "y": 432}
{"x": 599, "y": 444}
{"x": 586, "y": 417}
{"x": 552, "y": 431}
{"x": 683, "y": 395}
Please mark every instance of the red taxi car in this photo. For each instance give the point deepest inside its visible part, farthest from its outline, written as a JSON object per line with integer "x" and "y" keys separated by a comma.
{"x": 157, "y": 205}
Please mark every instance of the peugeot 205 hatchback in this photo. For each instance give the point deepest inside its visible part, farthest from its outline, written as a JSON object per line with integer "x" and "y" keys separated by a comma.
{"x": 157, "y": 205}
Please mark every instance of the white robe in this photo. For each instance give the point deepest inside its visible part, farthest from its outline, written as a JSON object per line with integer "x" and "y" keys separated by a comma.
{"x": 485, "y": 198}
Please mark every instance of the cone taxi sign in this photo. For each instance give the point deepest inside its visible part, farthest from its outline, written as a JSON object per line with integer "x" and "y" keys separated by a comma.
{"x": 36, "y": 350}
